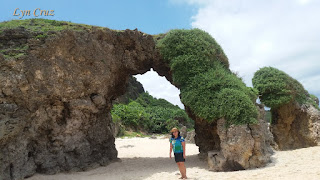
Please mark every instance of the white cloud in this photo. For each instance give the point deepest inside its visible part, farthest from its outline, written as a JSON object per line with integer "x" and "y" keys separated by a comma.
{"x": 283, "y": 34}
{"x": 303, "y": 1}
{"x": 159, "y": 87}
{"x": 254, "y": 34}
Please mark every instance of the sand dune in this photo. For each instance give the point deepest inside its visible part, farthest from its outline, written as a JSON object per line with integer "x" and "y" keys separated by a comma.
{"x": 144, "y": 158}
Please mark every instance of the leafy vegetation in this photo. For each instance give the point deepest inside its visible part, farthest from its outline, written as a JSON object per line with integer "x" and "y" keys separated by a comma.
{"x": 191, "y": 42}
{"x": 277, "y": 88}
{"x": 312, "y": 101}
{"x": 200, "y": 69}
{"x": 150, "y": 115}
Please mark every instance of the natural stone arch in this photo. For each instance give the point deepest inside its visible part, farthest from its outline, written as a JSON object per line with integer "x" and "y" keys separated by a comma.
{"x": 56, "y": 101}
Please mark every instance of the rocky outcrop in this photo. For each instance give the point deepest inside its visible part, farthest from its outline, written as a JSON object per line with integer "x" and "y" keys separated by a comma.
{"x": 295, "y": 126}
{"x": 183, "y": 131}
{"x": 133, "y": 90}
{"x": 236, "y": 147}
{"x": 190, "y": 136}
{"x": 206, "y": 137}
{"x": 55, "y": 100}
{"x": 242, "y": 147}
{"x": 56, "y": 97}
{"x": 316, "y": 100}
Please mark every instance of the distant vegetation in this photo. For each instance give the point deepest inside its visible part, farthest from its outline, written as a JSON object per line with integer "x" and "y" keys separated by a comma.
{"x": 150, "y": 115}
{"x": 268, "y": 116}
{"x": 200, "y": 69}
{"x": 276, "y": 88}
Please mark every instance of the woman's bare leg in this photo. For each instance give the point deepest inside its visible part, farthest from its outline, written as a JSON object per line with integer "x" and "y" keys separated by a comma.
{"x": 180, "y": 169}
{"x": 183, "y": 170}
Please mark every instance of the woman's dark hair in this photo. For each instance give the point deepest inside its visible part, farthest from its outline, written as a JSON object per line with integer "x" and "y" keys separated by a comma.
{"x": 173, "y": 135}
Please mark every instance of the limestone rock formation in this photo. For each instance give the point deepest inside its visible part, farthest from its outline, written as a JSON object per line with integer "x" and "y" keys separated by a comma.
{"x": 295, "y": 120}
{"x": 57, "y": 93}
{"x": 243, "y": 147}
{"x": 183, "y": 131}
{"x": 190, "y": 136}
{"x": 296, "y": 126}
{"x": 237, "y": 147}
{"x": 133, "y": 90}
{"x": 55, "y": 100}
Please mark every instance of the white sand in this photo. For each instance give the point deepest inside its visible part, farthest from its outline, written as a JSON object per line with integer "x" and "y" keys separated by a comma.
{"x": 144, "y": 158}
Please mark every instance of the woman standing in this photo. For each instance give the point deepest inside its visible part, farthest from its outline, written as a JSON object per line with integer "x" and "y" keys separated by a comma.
{"x": 178, "y": 145}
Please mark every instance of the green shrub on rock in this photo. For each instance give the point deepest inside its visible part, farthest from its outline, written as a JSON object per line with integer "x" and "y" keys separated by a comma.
{"x": 187, "y": 66}
{"x": 191, "y": 42}
{"x": 277, "y": 88}
{"x": 208, "y": 98}
{"x": 200, "y": 69}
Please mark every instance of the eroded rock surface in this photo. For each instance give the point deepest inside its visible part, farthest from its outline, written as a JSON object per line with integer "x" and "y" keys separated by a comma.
{"x": 240, "y": 147}
{"x": 190, "y": 136}
{"x": 296, "y": 126}
{"x": 133, "y": 90}
{"x": 55, "y": 100}
{"x": 55, "y": 103}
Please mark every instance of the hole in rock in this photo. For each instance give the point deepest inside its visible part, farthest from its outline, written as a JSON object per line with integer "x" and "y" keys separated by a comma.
{"x": 159, "y": 87}
{"x": 144, "y": 121}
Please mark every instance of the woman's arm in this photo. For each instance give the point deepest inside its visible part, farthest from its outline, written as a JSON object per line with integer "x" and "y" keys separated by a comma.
{"x": 184, "y": 149}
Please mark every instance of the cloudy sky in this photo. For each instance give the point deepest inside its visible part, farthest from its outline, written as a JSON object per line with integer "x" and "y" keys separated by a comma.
{"x": 253, "y": 33}
{"x": 281, "y": 33}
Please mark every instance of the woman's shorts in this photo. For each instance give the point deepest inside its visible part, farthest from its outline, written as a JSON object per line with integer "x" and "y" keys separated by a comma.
{"x": 178, "y": 157}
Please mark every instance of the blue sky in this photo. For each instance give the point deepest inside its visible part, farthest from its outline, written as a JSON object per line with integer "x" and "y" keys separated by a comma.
{"x": 149, "y": 16}
{"x": 283, "y": 34}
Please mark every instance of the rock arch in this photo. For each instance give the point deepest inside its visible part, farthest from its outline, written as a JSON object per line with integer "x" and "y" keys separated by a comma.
{"x": 55, "y": 103}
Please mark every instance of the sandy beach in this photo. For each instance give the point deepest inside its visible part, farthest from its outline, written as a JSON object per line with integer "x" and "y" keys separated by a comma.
{"x": 144, "y": 158}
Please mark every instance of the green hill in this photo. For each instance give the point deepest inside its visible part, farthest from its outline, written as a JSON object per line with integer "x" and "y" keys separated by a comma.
{"x": 138, "y": 111}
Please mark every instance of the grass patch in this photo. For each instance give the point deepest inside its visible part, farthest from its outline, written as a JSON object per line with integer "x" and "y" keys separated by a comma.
{"x": 14, "y": 52}
{"x": 44, "y": 25}
{"x": 41, "y": 36}
{"x": 41, "y": 29}
{"x": 16, "y": 56}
